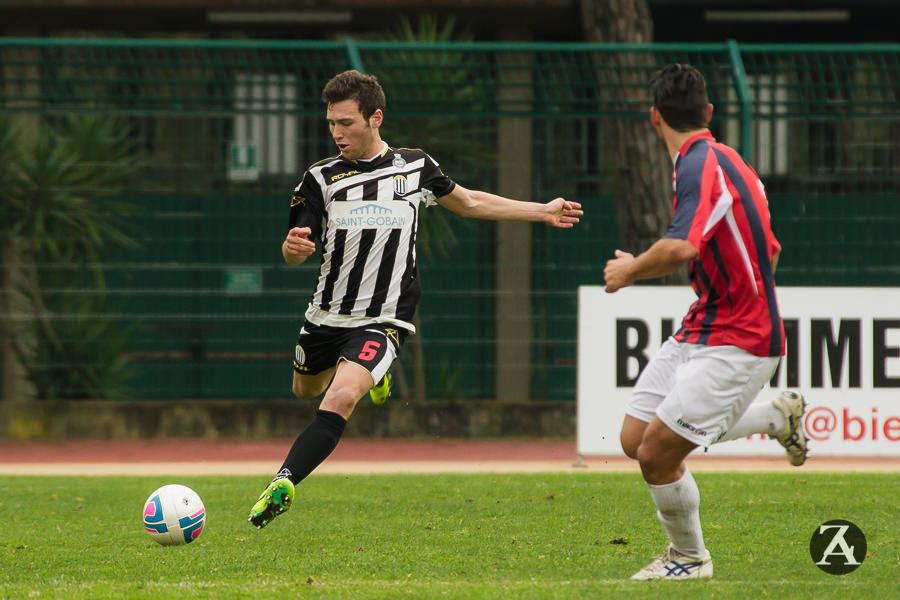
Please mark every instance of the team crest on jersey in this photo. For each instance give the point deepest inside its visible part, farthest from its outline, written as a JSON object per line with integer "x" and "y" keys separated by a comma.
{"x": 399, "y": 162}
{"x": 401, "y": 185}
{"x": 393, "y": 334}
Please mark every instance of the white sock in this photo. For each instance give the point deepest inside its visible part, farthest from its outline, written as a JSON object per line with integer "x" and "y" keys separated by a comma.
{"x": 761, "y": 417}
{"x": 678, "y": 509}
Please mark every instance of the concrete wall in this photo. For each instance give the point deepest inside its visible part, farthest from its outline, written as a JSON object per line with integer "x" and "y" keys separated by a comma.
{"x": 286, "y": 419}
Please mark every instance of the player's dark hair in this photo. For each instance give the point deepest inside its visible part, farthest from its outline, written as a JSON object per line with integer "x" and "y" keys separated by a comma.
{"x": 353, "y": 85}
{"x": 679, "y": 94}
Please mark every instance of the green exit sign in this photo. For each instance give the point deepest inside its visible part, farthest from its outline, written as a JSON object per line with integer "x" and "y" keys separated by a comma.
{"x": 243, "y": 280}
{"x": 242, "y": 162}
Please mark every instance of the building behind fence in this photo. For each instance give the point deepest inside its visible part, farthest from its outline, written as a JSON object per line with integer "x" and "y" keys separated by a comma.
{"x": 225, "y": 130}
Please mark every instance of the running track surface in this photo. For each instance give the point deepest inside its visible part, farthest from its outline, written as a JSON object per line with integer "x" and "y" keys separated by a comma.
{"x": 263, "y": 457}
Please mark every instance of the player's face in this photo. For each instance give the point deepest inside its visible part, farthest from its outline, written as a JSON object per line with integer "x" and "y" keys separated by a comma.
{"x": 355, "y": 136}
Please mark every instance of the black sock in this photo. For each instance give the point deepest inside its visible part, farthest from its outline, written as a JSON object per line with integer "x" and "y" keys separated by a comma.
{"x": 313, "y": 446}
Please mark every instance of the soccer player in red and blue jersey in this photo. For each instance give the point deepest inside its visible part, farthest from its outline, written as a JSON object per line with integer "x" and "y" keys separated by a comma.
{"x": 699, "y": 387}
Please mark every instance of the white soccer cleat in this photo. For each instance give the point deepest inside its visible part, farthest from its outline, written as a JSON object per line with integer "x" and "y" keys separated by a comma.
{"x": 672, "y": 565}
{"x": 792, "y": 406}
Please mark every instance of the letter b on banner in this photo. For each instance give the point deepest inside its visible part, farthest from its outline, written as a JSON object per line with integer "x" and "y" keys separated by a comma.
{"x": 630, "y": 348}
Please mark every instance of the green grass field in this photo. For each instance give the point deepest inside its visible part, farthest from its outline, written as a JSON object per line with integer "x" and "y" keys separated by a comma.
{"x": 441, "y": 536}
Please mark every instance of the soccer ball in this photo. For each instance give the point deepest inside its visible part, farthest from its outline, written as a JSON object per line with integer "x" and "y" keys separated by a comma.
{"x": 174, "y": 515}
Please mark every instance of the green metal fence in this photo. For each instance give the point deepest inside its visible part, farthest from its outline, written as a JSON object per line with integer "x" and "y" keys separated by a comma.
{"x": 227, "y": 128}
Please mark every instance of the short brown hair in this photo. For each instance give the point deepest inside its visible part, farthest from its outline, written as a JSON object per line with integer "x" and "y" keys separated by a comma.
{"x": 679, "y": 94}
{"x": 353, "y": 85}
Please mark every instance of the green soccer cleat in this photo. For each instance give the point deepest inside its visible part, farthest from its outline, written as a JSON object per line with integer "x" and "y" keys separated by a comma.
{"x": 274, "y": 500}
{"x": 380, "y": 392}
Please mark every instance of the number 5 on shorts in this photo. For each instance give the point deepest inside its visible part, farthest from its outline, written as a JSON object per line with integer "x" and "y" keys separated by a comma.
{"x": 369, "y": 350}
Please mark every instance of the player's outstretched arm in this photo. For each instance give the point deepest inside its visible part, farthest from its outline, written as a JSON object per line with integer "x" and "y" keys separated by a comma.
{"x": 476, "y": 204}
{"x": 662, "y": 258}
{"x": 297, "y": 246}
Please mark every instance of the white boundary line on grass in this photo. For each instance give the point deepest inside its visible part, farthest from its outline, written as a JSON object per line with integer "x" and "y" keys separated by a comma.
{"x": 346, "y": 467}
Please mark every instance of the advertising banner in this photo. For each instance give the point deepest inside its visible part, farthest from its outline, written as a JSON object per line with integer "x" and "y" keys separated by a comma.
{"x": 843, "y": 354}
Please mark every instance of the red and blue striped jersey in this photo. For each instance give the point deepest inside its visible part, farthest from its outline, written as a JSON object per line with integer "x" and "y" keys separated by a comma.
{"x": 720, "y": 207}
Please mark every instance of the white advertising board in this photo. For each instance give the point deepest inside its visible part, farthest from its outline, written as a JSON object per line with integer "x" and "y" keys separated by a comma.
{"x": 843, "y": 354}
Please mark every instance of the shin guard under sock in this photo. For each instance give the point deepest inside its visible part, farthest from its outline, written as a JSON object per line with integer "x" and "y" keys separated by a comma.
{"x": 313, "y": 446}
{"x": 678, "y": 510}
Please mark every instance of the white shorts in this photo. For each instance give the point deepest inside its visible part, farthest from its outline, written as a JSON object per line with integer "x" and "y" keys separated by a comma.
{"x": 699, "y": 391}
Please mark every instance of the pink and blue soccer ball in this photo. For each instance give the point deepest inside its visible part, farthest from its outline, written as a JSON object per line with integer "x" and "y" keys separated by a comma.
{"x": 174, "y": 515}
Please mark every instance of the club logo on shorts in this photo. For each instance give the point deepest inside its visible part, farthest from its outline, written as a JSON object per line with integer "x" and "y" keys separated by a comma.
{"x": 299, "y": 355}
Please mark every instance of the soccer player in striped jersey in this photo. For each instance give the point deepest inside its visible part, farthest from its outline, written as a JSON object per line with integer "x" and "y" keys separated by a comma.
{"x": 361, "y": 207}
{"x": 699, "y": 387}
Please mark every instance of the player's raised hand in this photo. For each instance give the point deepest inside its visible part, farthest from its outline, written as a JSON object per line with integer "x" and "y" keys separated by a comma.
{"x": 297, "y": 243}
{"x": 616, "y": 273}
{"x": 562, "y": 213}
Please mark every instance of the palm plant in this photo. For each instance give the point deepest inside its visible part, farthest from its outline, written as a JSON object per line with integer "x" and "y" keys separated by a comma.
{"x": 427, "y": 88}
{"x": 58, "y": 183}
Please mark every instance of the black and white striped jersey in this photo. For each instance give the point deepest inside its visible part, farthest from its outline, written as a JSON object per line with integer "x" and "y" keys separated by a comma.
{"x": 364, "y": 216}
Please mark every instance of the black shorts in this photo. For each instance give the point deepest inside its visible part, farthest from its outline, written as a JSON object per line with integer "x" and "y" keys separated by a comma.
{"x": 319, "y": 347}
